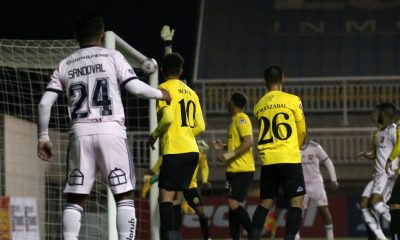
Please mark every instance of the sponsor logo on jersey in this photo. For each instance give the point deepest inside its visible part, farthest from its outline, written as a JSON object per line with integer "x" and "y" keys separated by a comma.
{"x": 382, "y": 139}
{"x": 242, "y": 121}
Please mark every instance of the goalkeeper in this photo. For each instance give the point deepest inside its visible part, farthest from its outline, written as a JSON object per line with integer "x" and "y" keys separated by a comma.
{"x": 192, "y": 202}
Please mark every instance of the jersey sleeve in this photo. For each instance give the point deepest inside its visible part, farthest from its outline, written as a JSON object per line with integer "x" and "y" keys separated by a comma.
{"x": 55, "y": 83}
{"x": 200, "y": 125}
{"x": 298, "y": 110}
{"x": 123, "y": 70}
{"x": 243, "y": 124}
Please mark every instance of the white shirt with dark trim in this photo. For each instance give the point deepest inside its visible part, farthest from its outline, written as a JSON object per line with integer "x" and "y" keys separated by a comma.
{"x": 311, "y": 157}
{"x": 384, "y": 143}
{"x": 91, "y": 78}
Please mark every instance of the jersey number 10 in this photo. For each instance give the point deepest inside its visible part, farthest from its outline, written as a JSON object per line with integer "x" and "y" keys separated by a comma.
{"x": 188, "y": 113}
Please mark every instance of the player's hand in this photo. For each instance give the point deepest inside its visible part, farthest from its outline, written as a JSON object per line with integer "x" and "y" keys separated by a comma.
{"x": 361, "y": 156}
{"x": 152, "y": 140}
{"x": 334, "y": 185}
{"x": 217, "y": 144}
{"x": 388, "y": 167}
{"x": 166, "y": 96}
{"x": 45, "y": 151}
{"x": 227, "y": 156}
{"x": 166, "y": 33}
{"x": 207, "y": 185}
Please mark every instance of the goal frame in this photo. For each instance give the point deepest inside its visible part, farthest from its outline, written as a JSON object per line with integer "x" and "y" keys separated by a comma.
{"x": 113, "y": 41}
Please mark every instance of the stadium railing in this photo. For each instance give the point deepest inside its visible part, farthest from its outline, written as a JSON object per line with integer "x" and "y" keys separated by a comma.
{"x": 341, "y": 95}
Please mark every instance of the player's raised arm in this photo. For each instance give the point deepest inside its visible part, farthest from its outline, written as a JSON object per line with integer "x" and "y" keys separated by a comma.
{"x": 167, "y": 35}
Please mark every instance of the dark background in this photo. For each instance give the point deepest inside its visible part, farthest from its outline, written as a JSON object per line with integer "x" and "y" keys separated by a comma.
{"x": 138, "y": 22}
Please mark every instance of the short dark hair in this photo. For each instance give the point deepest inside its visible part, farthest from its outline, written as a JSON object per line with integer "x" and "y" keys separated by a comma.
{"x": 273, "y": 75}
{"x": 172, "y": 64}
{"x": 88, "y": 26}
{"x": 388, "y": 109}
{"x": 239, "y": 99}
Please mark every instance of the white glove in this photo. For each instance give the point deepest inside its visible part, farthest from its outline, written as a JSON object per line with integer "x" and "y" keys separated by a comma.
{"x": 203, "y": 146}
{"x": 166, "y": 33}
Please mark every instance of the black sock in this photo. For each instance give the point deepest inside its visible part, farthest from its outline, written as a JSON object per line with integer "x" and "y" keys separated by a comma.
{"x": 395, "y": 224}
{"x": 258, "y": 221}
{"x": 242, "y": 217}
{"x": 234, "y": 226}
{"x": 204, "y": 227}
{"x": 293, "y": 221}
{"x": 166, "y": 220}
{"x": 370, "y": 233}
{"x": 177, "y": 221}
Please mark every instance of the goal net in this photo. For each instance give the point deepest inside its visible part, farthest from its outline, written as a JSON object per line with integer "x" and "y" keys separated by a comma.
{"x": 25, "y": 68}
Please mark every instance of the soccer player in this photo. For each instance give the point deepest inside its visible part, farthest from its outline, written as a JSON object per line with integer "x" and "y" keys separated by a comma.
{"x": 239, "y": 162}
{"x": 180, "y": 122}
{"x": 282, "y": 129}
{"x": 91, "y": 78}
{"x": 394, "y": 202}
{"x": 192, "y": 200}
{"x": 379, "y": 188}
{"x": 312, "y": 154}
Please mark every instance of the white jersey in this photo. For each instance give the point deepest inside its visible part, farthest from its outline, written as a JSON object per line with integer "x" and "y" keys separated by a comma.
{"x": 384, "y": 143}
{"x": 91, "y": 77}
{"x": 311, "y": 156}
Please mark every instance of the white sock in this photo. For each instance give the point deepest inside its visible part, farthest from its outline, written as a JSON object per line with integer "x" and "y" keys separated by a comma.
{"x": 372, "y": 220}
{"x": 329, "y": 231}
{"x": 383, "y": 209}
{"x": 126, "y": 219}
{"x": 297, "y": 237}
{"x": 72, "y": 221}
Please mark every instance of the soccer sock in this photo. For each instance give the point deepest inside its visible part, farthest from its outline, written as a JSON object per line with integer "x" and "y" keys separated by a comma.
{"x": 329, "y": 231}
{"x": 370, "y": 233}
{"x": 72, "y": 221}
{"x": 242, "y": 217}
{"x": 258, "y": 221}
{"x": 383, "y": 209}
{"x": 167, "y": 221}
{"x": 177, "y": 221}
{"x": 204, "y": 227}
{"x": 293, "y": 222}
{"x": 297, "y": 237}
{"x": 395, "y": 224}
{"x": 234, "y": 226}
{"x": 126, "y": 219}
{"x": 372, "y": 220}
{"x": 154, "y": 179}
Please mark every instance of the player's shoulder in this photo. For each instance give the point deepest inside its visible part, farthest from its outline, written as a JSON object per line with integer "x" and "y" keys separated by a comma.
{"x": 289, "y": 97}
{"x": 312, "y": 143}
{"x": 242, "y": 119}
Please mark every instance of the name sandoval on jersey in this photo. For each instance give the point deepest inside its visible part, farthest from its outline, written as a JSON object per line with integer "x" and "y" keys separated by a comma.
{"x": 85, "y": 70}
{"x": 271, "y": 106}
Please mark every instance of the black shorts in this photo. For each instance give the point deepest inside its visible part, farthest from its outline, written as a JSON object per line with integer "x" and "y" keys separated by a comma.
{"x": 193, "y": 197}
{"x": 288, "y": 175}
{"x": 237, "y": 184}
{"x": 395, "y": 197}
{"x": 177, "y": 170}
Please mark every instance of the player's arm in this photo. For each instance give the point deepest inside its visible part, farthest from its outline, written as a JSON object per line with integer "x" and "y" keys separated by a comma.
{"x": 204, "y": 170}
{"x": 166, "y": 119}
{"x": 332, "y": 173}
{"x": 44, "y": 144}
{"x": 167, "y": 35}
{"x": 245, "y": 131}
{"x": 395, "y": 151}
{"x": 300, "y": 123}
{"x": 199, "y": 123}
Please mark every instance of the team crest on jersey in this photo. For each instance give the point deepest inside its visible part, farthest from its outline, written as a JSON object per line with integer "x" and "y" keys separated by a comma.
{"x": 242, "y": 121}
{"x": 310, "y": 156}
{"x": 270, "y": 98}
{"x": 382, "y": 139}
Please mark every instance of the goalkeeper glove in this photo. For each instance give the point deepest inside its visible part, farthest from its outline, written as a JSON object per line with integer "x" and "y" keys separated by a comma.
{"x": 167, "y": 34}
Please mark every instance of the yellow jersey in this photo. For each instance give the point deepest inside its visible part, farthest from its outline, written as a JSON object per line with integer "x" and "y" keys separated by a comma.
{"x": 277, "y": 113}
{"x": 240, "y": 127}
{"x": 188, "y": 119}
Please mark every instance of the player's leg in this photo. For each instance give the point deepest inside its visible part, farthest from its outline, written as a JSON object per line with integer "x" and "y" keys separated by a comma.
{"x": 195, "y": 201}
{"x": 81, "y": 176}
{"x": 148, "y": 181}
{"x": 239, "y": 185}
{"x": 269, "y": 188}
{"x": 306, "y": 201}
{"x": 318, "y": 193}
{"x": 370, "y": 217}
{"x": 381, "y": 185}
{"x": 116, "y": 166}
{"x": 394, "y": 203}
{"x": 326, "y": 215}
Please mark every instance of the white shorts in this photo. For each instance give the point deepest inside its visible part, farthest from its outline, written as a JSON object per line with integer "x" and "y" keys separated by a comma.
{"x": 381, "y": 184}
{"x": 315, "y": 192}
{"x": 107, "y": 153}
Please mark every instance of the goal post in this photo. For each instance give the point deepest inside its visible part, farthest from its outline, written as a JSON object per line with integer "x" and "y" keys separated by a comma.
{"x": 25, "y": 68}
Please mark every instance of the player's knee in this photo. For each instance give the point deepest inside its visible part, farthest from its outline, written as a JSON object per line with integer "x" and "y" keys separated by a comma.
{"x": 79, "y": 199}
{"x": 297, "y": 202}
{"x": 364, "y": 202}
{"x": 233, "y": 204}
{"x": 124, "y": 196}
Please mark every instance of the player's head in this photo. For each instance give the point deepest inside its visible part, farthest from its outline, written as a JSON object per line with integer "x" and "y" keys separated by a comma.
{"x": 387, "y": 113}
{"x": 273, "y": 77}
{"x": 89, "y": 29}
{"x": 172, "y": 66}
{"x": 237, "y": 102}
